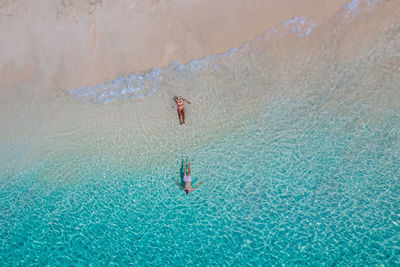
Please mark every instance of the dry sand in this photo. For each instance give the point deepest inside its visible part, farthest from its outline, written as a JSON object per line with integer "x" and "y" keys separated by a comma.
{"x": 73, "y": 43}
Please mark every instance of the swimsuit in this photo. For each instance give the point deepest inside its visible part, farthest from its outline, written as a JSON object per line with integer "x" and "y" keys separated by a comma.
{"x": 187, "y": 178}
{"x": 180, "y": 104}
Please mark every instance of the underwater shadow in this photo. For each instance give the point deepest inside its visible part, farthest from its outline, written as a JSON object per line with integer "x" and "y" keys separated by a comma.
{"x": 181, "y": 171}
{"x": 181, "y": 174}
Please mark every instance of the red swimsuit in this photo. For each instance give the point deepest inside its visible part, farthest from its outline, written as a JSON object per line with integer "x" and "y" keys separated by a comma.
{"x": 180, "y": 104}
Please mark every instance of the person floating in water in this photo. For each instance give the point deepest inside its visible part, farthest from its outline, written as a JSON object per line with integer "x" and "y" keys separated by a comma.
{"x": 181, "y": 110}
{"x": 188, "y": 180}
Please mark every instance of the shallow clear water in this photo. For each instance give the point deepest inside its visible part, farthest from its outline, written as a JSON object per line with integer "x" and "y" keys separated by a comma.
{"x": 300, "y": 164}
{"x": 313, "y": 188}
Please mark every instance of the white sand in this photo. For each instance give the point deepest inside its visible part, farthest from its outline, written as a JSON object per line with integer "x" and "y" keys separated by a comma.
{"x": 73, "y": 43}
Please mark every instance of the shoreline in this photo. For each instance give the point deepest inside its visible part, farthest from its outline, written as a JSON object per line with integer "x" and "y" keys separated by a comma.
{"x": 76, "y": 44}
{"x": 221, "y": 96}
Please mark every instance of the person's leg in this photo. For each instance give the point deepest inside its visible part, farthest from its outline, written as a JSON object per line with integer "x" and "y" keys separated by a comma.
{"x": 184, "y": 170}
{"x": 189, "y": 168}
{"x": 180, "y": 115}
{"x": 183, "y": 115}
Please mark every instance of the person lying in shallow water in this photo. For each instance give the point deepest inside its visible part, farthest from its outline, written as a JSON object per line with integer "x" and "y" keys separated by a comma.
{"x": 181, "y": 110}
{"x": 188, "y": 181}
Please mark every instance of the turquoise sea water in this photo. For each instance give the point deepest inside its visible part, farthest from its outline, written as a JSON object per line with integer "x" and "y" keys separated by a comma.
{"x": 306, "y": 175}
{"x": 309, "y": 188}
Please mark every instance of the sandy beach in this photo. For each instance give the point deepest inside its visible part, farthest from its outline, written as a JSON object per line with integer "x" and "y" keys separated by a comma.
{"x": 70, "y": 44}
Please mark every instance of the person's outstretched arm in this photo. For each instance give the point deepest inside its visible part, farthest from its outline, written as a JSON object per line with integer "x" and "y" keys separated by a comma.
{"x": 179, "y": 185}
{"x": 187, "y": 101}
{"x": 197, "y": 185}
